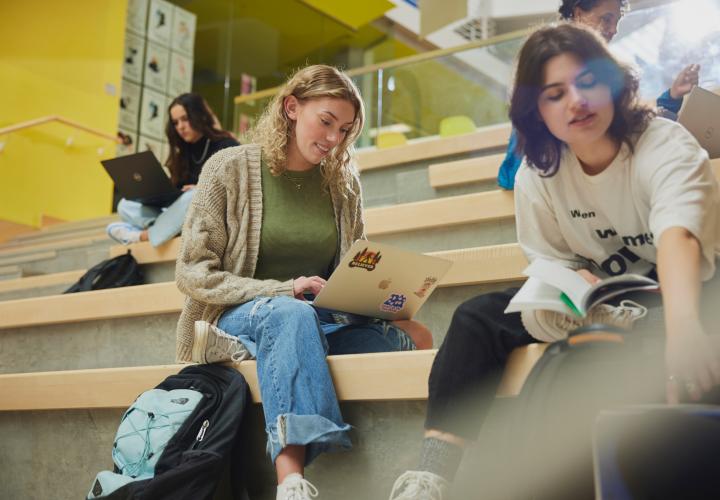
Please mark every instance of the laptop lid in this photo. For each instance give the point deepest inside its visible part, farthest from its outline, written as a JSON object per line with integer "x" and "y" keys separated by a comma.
{"x": 382, "y": 281}
{"x": 140, "y": 177}
{"x": 701, "y": 116}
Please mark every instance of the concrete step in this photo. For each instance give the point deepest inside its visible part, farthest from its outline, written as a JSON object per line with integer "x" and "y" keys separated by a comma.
{"x": 400, "y": 175}
{"x": 376, "y": 398}
{"x": 8, "y": 273}
{"x": 38, "y": 286}
{"x": 69, "y": 258}
{"x": 68, "y": 228}
{"x": 95, "y": 233}
{"x": 135, "y": 326}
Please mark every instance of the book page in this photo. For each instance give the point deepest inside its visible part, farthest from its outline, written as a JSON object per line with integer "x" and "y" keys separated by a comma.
{"x": 535, "y": 294}
{"x": 618, "y": 285}
{"x": 562, "y": 278}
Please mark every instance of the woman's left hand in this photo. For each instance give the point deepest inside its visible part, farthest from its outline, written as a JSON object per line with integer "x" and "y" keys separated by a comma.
{"x": 692, "y": 361}
{"x": 685, "y": 81}
{"x": 188, "y": 187}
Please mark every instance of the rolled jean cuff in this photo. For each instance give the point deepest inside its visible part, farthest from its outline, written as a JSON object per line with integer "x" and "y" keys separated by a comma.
{"x": 316, "y": 433}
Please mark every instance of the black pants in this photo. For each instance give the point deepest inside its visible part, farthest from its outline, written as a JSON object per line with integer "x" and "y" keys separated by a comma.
{"x": 469, "y": 365}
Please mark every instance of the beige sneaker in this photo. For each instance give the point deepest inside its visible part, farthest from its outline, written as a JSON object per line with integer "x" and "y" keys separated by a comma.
{"x": 296, "y": 487}
{"x": 419, "y": 485}
{"x": 212, "y": 345}
{"x": 550, "y": 326}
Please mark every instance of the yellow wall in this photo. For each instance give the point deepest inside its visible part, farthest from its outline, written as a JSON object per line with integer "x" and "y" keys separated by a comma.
{"x": 57, "y": 58}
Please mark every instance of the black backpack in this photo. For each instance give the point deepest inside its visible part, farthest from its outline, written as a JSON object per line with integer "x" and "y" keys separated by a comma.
{"x": 573, "y": 381}
{"x": 122, "y": 270}
{"x": 193, "y": 460}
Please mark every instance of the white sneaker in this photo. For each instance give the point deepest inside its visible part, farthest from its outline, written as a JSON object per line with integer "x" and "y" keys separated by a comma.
{"x": 124, "y": 233}
{"x": 296, "y": 487}
{"x": 550, "y": 326}
{"x": 419, "y": 485}
{"x": 212, "y": 345}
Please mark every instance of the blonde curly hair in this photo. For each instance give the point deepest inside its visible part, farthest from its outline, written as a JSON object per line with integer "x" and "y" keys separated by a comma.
{"x": 274, "y": 128}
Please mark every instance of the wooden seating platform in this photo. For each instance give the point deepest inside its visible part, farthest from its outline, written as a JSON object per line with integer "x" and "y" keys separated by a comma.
{"x": 486, "y": 138}
{"x": 473, "y": 266}
{"x": 357, "y": 377}
{"x": 455, "y": 173}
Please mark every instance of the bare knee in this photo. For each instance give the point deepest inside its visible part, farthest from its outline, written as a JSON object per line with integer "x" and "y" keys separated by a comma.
{"x": 420, "y": 334}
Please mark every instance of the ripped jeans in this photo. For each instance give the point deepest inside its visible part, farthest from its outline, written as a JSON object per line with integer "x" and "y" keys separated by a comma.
{"x": 290, "y": 340}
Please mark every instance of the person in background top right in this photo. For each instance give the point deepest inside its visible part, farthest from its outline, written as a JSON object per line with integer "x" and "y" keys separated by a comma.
{"x": 602, "y": 16}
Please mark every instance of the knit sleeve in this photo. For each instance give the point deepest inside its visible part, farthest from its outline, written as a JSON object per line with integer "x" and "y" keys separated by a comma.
{"x": 356, "y": 209}
{"x": 199, "y": 271}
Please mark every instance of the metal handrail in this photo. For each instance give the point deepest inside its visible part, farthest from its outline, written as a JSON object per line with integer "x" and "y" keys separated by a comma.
{"x": 60, "y": 119}
{"x": 433, "y": 54}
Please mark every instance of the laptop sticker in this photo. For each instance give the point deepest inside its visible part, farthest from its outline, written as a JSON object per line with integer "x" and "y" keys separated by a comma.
{"x": 365, "y": 260}
{"x": 394, "y": 303}
{"x": 429, "y": 281}
{"x": 384, "y": 284}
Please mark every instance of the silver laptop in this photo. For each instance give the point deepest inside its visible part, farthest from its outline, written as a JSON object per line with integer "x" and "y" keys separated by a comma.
{"x": 701, "y": 116}
{"x": 140, "y": 177}
{"x": 381, "y": 281}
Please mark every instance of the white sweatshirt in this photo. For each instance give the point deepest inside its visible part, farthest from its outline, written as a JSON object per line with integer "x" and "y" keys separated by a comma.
{"x": 610, "y": 222}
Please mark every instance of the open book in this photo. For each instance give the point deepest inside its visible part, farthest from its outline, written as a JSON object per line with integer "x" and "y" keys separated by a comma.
{"x": 555, "y": 287}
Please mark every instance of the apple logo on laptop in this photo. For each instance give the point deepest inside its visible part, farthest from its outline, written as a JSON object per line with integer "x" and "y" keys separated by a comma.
{"x": 384, "y": 284}
{"x": 137, "y": 177}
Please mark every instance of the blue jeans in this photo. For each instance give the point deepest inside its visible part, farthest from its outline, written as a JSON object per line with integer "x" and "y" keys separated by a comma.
{"x": 290, "y": 342}
{"x": 162, "y": 223}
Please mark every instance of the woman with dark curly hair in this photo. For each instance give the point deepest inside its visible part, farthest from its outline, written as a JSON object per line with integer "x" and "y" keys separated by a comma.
{"x": 194, "y": 135}
{"x": 651, "y": 205}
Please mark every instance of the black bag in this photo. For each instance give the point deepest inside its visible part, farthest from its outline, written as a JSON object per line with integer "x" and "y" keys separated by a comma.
{"x": 567, "y": 388}
{"x": 193, "y": 460}
{"x": 660, "y": 452}
{"x": 122, "y": 270}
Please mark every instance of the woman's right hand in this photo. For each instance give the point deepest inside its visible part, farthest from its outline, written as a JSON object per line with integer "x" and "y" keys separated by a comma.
{"x": 303, "y": 284}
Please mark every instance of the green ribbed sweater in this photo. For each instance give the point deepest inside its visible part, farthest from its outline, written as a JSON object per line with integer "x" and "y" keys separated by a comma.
{"x": 221, "y": 239}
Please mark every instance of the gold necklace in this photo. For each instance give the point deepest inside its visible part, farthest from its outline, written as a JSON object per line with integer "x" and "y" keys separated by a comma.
{"x": 296, "y": 181}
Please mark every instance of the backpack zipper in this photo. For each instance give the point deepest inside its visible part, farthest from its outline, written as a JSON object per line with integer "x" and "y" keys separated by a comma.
{"x": 201, "y": 432}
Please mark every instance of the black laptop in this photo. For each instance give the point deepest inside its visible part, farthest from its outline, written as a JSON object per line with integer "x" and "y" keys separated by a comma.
{"x": 140, "y": 177}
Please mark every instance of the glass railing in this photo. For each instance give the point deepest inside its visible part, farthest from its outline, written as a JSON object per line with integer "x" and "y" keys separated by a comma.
{"x": 455, "y": 90}
{"x": 443, "y": 91}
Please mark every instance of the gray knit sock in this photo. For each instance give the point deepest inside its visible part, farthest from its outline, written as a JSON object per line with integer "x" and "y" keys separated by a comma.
{"x": 440, "y": 457}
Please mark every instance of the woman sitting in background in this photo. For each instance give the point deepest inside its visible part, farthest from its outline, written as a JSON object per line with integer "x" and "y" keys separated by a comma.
{"x": 194, "y": 135}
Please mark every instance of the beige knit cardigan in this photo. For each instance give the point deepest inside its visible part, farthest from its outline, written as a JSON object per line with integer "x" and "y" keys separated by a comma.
{"x": 221, "y": 239}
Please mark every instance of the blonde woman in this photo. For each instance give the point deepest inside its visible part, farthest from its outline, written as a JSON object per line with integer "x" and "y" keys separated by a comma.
{"x": 267, "y": 226}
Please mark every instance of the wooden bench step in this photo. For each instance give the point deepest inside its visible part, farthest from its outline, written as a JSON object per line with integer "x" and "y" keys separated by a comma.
{"x": 472, "y": 266}
{"x": 495, "y": 136}
{"x": 455, "y": 173}
{"x": 440, "y": 212}
{"x": 22, "y": 259}
{"x": 126, "y": 302}
{"x": 43, "y": 280}
{"x": 69, "y": 227}
{"x": 31, "y": 248}
{"x": 357, "y": 377}
{"x": 484, "y": 169}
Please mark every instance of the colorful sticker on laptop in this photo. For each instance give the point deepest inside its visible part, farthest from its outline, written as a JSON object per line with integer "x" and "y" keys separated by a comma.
{"x": 365, "y": 260}
{"x": 394, "y": 303}
{"x": 384, "y": 284}
{"x": 429, "y": 282}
